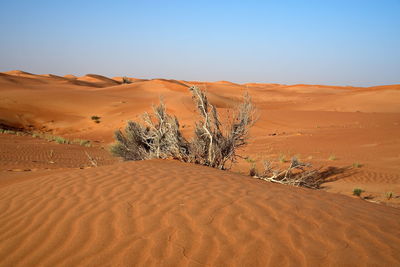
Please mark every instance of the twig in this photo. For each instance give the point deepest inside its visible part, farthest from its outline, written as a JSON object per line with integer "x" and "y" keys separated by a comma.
{"x": 92, "y": 160}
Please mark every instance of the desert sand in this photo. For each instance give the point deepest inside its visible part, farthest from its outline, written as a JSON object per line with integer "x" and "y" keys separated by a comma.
{"x": 60, "y": 210}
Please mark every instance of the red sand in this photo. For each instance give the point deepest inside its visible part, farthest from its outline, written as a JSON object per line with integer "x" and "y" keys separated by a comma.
{"x": 167, "y": 213}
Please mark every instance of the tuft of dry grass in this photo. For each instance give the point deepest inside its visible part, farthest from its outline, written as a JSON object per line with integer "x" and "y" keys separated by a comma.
{"x": 389, "y": 195}
{"x": 332, "y": 157}
{"x": 357, "y": 191}
{"x": 357, "y": 165}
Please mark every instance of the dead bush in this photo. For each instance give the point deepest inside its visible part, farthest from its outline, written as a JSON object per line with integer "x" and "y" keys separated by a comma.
{"x": 214, "y": 143}
{"x": 297, "y": 174}
{"x": 158, "y": 137}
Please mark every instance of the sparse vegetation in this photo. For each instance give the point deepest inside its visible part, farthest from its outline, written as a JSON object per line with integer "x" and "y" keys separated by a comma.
{"x": 282, "y": 158}
{"x": 297, "y": 174}
{"x": 159, "y": 137}
{"x": 357, "y": 165}
{"x": 249, "y": 160}
{"x": 332, "y": 157}
{"x": 126, "y": 80}
{"x": 95, "y": 118}
{"x": 84, "y": 143}
{"x": 48, "y": 137}
{"x": 5, "y": 131}
{"x": 253, "y": 170}
{"x": 357, "y": 191}
{"x": 61, "y": 140}
{"x": 214, "y": 144}
{"x": 389, "y": 195}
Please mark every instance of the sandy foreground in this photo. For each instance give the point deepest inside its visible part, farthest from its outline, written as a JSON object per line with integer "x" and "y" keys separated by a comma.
{"x": 57, "y": 209}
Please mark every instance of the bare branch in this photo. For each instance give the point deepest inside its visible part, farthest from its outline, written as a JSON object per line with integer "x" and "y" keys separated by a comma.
{"x": 297, "y": 174}
{"x": 214, "y": 144}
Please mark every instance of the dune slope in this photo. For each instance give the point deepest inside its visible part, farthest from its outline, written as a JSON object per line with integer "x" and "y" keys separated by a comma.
{"x": 354, "y": 125}
{"x": 166, "y": 213}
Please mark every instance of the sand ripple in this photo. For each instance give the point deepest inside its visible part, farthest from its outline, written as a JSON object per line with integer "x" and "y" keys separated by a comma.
{"x": 163, "y": 213}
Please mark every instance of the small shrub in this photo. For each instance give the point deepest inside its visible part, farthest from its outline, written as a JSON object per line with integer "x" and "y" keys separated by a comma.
{"x": 10, "y": 132}
{"x": 160, "y": 137}
{"x": 49, "y": 138}
{"x": 81, "y": 142}
{"x": 332, "y": 157}
{"x": 357, "y": 165}
{"x": 357, "y": 191}
{"x": 389, "y": 195}
{"x": 249, "y": 160}
{"x": 95, "y": 118}
{"x": 61, "y": 140}
{"x": 282, "y": 158}
{"x": 84, "y": 143}
{"x": 126, "y": 80}
{"x": 253, "y": 170}
{"x": 214, "y": 144}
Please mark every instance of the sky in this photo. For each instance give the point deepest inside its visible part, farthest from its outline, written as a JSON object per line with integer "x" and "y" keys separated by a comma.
{"x": 309, "y": 42}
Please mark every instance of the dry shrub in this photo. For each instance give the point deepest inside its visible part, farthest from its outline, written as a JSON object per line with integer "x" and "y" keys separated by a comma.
{"x": 126, "y": 80}
{"x": 158, "y": 137}
{"x": 297, "y": 174}
{"x": 214, "y": 144}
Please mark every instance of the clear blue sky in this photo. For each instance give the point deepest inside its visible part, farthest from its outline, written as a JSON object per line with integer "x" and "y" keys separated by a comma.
{"x": 315, "y": 42}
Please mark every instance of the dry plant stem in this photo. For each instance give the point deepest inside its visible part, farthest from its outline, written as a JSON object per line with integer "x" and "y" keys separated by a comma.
{"x": 199, "y": 95}
{"x": 51, "y": 156}
{"x": 215, "y": 144}
{"x": 91, "y": 160}
{"x": 296, "y": 174}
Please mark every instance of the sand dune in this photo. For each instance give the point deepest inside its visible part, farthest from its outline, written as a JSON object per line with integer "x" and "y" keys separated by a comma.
{"x": 58, "y": 211}
{"x": 98, "y": 80}
{"x": 163, "y": 213}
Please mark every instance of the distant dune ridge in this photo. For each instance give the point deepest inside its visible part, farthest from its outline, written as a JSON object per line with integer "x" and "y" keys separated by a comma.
{"x": 38, "y": 95}
{"x": 59, "y": 210}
